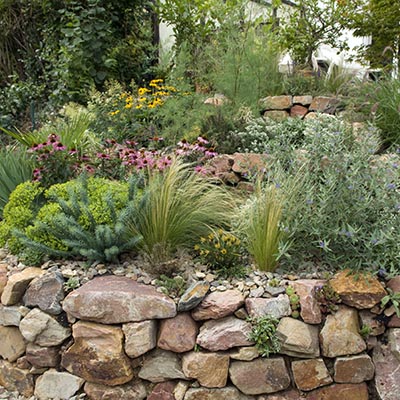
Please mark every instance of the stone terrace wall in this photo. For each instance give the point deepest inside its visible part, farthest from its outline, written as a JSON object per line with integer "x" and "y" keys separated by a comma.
{"x": 115, "y": 338}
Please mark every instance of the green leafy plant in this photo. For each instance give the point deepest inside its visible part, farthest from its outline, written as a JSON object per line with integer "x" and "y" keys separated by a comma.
{"x": 222, "y": 251}
{"x": 365, "y": 331}
{"x": 77, "y": 226}
{"x": 172, "y": 286}
{"x": 15, "y": 167}
{"x": 294, "y": 301}
{"x": 264, "y": 334}
{"x": 394, "y": 299}
{"x": 178, "y": 205}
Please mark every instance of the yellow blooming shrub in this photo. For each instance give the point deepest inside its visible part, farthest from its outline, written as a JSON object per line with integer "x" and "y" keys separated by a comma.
{"x": 221, "y": 251}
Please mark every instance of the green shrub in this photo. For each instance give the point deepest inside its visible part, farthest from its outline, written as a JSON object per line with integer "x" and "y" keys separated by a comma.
{"x": 263, "y": 333}
{"x": 178, "y": 206}
{"x": 19, "y": 213}
{"x": 87, "y": 219}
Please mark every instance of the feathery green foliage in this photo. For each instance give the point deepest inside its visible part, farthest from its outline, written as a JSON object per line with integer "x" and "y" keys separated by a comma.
{"x": 176, "y": 208}
{"x": 101, "y": 242}
{"x": 15, "y": 167}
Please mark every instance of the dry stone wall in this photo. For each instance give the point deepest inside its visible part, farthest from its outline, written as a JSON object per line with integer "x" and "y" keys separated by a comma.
{"x": 115, "y": 338}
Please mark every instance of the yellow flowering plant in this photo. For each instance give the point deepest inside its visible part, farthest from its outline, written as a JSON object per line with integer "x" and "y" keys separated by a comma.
{"x": 221, "y": 251}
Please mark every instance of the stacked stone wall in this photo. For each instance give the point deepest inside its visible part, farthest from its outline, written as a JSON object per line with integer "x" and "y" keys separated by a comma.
{"x": 115, "y": 338}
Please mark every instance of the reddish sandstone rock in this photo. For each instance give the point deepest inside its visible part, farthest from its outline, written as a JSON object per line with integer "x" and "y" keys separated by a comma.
{"x": 277, "y": 307}
{"x": 358, "y": 291}
{"x": 134, "y": 390}
{"x": 210, "y": 369}
{"x": 16, "y": 379}
{"x": 223, "y": 334}
{"x": 394, "y": 322}
{"x": 387, "y": 371}
{"x": 276, "y": 102}
{"x": 46, "y": 292}
{"x": 310, "y": 374}
{"x": 263, "y": 375}
{"x": 3, "y": 277}
{"x": 227, "y": 393}
{"x": 355, "y": 369}
{"x": 394, "y": 284}
{"x": 117, "y": 299}
{"x": 12, "y": 344}
{"x": 161, "y": 366}
{"x": 247, "y": 163}
{"x": 324, "y": 104}
{"x": 290, "y": 394}
{"x": 303, "y": 100}
{"x": 140, "y": 337}
{"x": 218, "y": 305}
{"x": 178, "y": 334}
{"x": 340, "y": 334}
{"x": 17, "y": 284}
{"x": 340, "y": 392}
{"x": 298, "y": 111}
{"x": 42, "y": 357}
{"x": 163, "y": 391}
{"x": 309, "y": 306}
{"x": 97, "y": 354}
{"x": 276, "y": 115}
{"x": 297, "y": 338}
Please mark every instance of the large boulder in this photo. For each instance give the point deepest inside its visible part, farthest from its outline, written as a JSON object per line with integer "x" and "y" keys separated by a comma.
{"x": 97, "y": 354}
{"x": 118, "y": 299}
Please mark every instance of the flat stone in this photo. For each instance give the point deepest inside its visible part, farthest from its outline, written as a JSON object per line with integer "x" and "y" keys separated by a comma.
{"x": 140, "y": 337}
{"x": 134, "y": 390}
{"x": 42, "y": 329}
{"x": 274, "y": 290}
{"x": 42, "y": 357}
{"x": 12, "y": 315}
{"x": 276, "y": 115}
{"x": 369, "y": 319}
{"x": 163, "y": 391}
{"x": 310, "y": 310}
{"x": 210, "y": 369}
{"x": 218, "y": 305}
{"x": 161, "y": 366}
{"x": 394, "y": 322}
{"x": 46, "y": 292}
{"x": 290, "y": 394}
{"x": 263, "y": 375}
{"x": 223, "y": 334}
{"x": 387, "y": 372}
{"x": 3, "y": 277}
{"x": 340, "y": 334}
{"x": 97, "y": 354}
{"x": 117, "y": 299}
{"x": 394, "y": 284}
{"x": 245, "y": 163}
{"x": 276, "y": 102}
{"x": 178, "y": 334}
{"x": 16, "y": 379}
{"x": 324, "y": 104}
{"x": 12, "y": 344}
{"x": 57, "y": 385}
{"x": 226, "y": 393}
{"x": 340, "y": 391}
{"x": 244, "y": 353}
{"x": 394, "y": 342}
{"x": 354, "y": 369}
{"x": 298, "y": 111}
{"x": 363, "y": 291}
{"x": 17, "y": 284}
{"x": 297, "y": 338}
{"x": 276, "y": 307}
{"x": 310, "y": 374}
{"x": 193, "y": 296}
{"x": 303, "y": 100}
